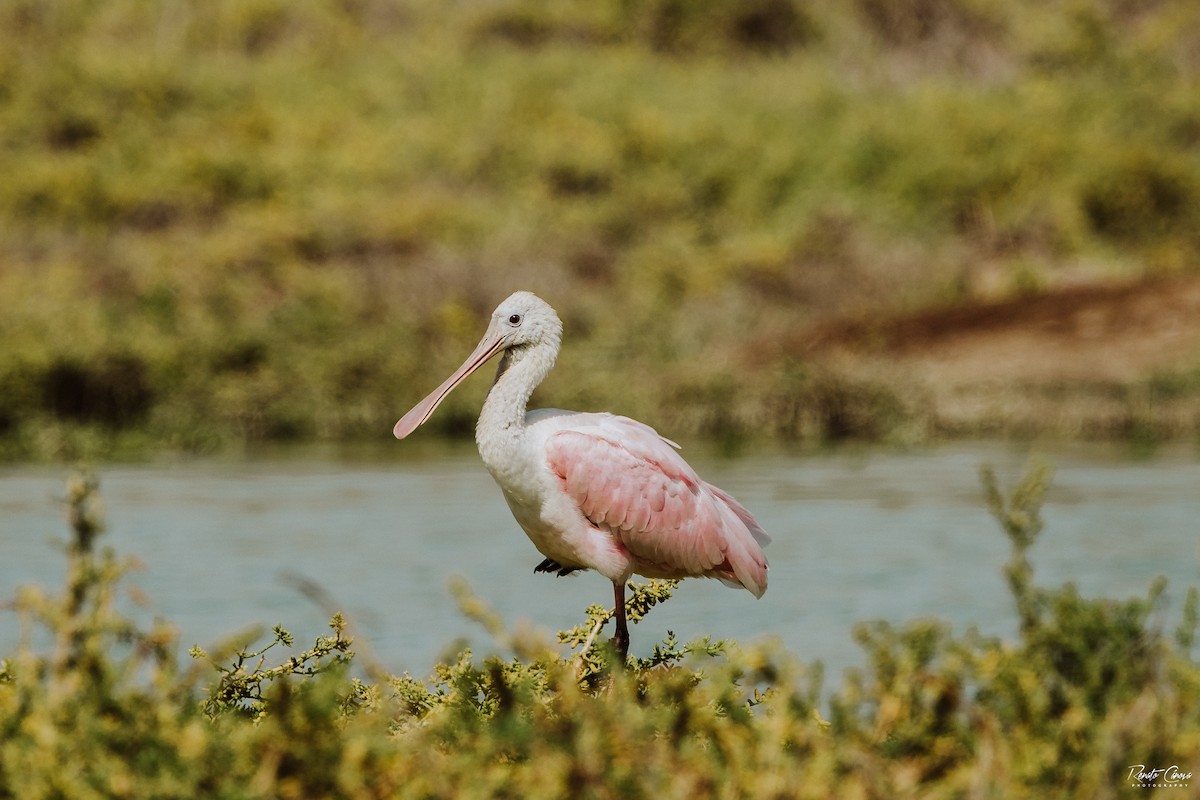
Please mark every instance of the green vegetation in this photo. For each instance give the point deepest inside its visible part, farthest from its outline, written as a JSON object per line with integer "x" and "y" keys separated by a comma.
{"x": 245, "y": 220}
{"x": 96, "y": 705}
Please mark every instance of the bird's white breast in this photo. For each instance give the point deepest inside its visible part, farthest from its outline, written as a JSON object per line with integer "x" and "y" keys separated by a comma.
{"x": 517, "y": 462}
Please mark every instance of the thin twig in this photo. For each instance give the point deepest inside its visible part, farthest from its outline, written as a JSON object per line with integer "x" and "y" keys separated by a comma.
{"x": 587, "y": 643}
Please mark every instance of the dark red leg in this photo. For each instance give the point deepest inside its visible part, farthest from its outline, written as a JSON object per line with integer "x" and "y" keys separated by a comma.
{"x": 621, "y": 640}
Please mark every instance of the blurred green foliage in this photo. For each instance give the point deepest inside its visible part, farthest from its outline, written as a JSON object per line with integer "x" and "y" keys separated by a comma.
{"x": 246, "y": 220}
{"x": 95, "y": 705}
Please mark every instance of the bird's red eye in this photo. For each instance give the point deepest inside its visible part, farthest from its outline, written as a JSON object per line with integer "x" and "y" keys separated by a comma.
{"x": 515, "y": 319}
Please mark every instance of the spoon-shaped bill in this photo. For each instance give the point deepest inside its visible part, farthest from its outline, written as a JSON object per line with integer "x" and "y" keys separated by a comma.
{"x": 491, "y": 344}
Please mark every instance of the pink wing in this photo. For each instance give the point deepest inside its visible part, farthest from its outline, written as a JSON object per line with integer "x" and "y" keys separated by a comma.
{"x": 627, "y": 479}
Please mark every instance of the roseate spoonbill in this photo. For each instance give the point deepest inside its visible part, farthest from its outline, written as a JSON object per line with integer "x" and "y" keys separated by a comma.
{"x": 594, "y": 490}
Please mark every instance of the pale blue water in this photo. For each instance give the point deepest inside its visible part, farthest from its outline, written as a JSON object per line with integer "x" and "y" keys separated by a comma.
{"x": 857, "y": 536}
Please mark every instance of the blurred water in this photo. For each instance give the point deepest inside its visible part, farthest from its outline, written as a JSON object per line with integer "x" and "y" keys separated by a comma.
{"x": 857, "y": 536}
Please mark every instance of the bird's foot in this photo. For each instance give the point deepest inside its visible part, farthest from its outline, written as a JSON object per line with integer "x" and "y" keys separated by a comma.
{"x": 550, "y": 565}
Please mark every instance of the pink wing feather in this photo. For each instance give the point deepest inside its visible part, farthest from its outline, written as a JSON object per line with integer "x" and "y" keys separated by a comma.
{"x": 627, "y": 479}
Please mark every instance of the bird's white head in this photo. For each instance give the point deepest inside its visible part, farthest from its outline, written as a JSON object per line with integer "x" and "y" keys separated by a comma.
{"x": 524, "y": 319}
{"x": 521, "y": 324}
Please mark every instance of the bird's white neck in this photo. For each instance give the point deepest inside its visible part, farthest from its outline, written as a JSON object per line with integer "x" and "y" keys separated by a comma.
{"x": 503, "y": 417}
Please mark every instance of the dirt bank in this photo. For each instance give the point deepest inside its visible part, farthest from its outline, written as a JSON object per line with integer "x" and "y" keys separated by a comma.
{"x": 1089, "y": 360}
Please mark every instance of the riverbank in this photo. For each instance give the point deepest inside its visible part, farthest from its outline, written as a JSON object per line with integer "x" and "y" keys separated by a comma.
{"x": 1092, "y": 361}
{"x": 251, "y": 222}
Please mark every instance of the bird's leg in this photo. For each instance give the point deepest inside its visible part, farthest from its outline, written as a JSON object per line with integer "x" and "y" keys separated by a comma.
{"x": 621, "y": 639}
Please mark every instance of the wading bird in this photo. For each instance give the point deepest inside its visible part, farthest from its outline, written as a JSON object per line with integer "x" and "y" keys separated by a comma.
{"x": 594, "y": 490}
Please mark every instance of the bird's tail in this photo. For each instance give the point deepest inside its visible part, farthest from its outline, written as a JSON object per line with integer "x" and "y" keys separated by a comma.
{"x": 744, "y": 555}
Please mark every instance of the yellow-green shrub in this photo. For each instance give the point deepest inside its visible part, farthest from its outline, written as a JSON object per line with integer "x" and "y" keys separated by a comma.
{"x": 1089, "y": 688}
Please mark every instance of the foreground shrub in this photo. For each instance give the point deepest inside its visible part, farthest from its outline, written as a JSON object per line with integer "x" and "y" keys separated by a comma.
{"x": 94, "y": 705}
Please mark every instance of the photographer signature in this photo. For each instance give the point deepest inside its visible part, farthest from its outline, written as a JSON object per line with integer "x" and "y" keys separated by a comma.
{"x": 1162, "y": 776}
